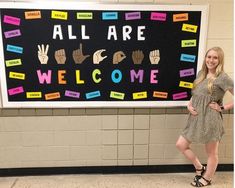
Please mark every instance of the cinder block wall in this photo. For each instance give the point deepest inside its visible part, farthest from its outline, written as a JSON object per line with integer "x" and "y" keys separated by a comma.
{"x": 102, "y": 137}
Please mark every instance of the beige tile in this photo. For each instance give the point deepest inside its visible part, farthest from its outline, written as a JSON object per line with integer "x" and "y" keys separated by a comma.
{"x": 27, "y": 112}
{"x": 44, "y": 112}
{"x": 77, "y": 111}
{"x": 164, "y": 136}
{"x": 109, "y": 137}
{"x": 140, "y": 151}
{"x": 109, "y": 121}
{"x": 10, "y": 139}
{"x": 60, "y": 112}
{"x": 125, "y": 137}
{"x": 140, "y": 162}
{"x": 53, "y": 153}
{"x": 10, "y": 112}
{"x": 67, "y": 138}
{"x": 125, "y": 152}
{"x": 125, "y": 162}
{"x": 109, "y": 152}
{"x": 141, "y": 136}
{"x": 156, "y": 151}
{"x": 141, "y": 121}
{"x": 10, "y": 124}
{"x": 157, "y": 121}
{"x": 125, "y": 111}
{"x": 37, "y": 138}
{"x": 176, "y": 121}
{"x": 94, "y": 137}
{"x": 125, "y": 121}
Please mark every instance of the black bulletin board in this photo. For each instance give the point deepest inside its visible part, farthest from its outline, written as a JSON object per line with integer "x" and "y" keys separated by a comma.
{"x": 100, "y": 55}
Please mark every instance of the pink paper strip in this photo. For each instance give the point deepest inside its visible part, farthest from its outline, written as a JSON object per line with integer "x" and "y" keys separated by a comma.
{"x": 12, "y": 33}
{"x": 16, "y": 90}
{"x": 158, "y": 16}
{"x": 181, "y": 95}
{"x": 11, "y": 20}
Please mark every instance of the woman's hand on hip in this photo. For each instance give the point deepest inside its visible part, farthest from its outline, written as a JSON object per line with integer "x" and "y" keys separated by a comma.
{"x": 192, "y": 110}
{"x": 215, "y": 106}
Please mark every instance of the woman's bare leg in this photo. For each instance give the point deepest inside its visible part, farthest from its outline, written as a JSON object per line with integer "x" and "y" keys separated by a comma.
{"x": 213, "y": 159}
{"x": 183, "y": 145}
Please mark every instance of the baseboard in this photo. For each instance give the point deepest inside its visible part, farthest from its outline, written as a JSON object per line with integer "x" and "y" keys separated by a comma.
{"x": 104, "y": 170}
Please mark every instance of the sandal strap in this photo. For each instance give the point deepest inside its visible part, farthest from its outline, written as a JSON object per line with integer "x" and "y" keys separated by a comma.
{"x": 206, "y": 180}
{"x": 202, "y": 169}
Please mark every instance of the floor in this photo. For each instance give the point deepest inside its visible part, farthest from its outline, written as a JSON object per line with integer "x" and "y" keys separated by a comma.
{"x": 172, "y": 180}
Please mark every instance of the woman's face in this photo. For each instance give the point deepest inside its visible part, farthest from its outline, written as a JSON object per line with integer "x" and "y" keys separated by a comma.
{"x": 212, "y": 60}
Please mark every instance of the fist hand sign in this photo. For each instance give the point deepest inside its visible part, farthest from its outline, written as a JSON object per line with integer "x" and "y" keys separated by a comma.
{"x": 60, "y": 56}
{"x": 137, "y": 56}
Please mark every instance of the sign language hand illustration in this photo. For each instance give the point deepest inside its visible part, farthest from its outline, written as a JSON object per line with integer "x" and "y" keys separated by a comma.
{"x": 42, "y": 53}
{"x": 137, "y": 56}
{"x": 60, "y": 56}
{"x": 118, "y": 57}
{"x": 78, "y": 56}
{"x": 97, "y": 57}
{"x": 154, "y": 56}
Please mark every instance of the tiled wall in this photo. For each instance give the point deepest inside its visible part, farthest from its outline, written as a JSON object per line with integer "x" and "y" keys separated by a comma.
{"x": 91, "y": 137}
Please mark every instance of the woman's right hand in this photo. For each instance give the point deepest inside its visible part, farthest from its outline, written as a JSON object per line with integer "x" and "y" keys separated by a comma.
{"x": 192, "y": 110}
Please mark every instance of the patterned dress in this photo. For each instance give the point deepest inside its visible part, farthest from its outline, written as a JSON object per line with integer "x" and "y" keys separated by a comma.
{"x": 207, "y": 126}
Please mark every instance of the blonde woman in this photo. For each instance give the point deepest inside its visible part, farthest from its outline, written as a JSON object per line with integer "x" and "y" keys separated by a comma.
{"x": 205, "y": 122}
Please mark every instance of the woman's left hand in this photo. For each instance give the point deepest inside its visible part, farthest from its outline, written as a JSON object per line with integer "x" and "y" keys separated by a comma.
{"x": 215, "y": 106}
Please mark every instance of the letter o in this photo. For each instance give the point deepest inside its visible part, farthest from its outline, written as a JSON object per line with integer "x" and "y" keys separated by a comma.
{"x": 118, "y": 78}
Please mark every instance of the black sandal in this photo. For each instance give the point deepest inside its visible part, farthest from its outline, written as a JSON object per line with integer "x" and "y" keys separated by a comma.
{"x": 198, "y": 183}
{"x": 202, "y": 170}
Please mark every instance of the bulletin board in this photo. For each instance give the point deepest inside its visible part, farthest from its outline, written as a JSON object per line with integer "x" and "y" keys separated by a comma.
{"x": 71, "y": 55}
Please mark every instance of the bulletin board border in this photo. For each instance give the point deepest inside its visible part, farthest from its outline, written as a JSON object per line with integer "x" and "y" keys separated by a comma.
{"x": 100, "y": 6}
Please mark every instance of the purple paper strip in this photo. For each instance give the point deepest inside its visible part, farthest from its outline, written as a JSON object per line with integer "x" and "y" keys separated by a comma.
{"x": 181, "y": 95}
{"x": 72, "y": 94}
{"x": 187, "y": 72}
{"x": 133, "y": 16}
{"x": 12, "y": 33}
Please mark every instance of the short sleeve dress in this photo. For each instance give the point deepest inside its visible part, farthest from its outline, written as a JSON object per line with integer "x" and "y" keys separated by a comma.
{"x": 207, "y": 126}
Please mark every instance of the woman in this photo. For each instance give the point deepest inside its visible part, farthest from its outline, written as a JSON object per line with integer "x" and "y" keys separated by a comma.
{"x": 205, "y": 122}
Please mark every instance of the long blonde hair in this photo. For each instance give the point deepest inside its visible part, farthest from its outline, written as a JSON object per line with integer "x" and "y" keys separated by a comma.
{"x": 204, "y": 70}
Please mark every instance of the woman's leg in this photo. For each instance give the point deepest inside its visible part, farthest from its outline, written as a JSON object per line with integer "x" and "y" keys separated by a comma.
{"x": 183, "y": 145}
{"x": 212, "y": 161}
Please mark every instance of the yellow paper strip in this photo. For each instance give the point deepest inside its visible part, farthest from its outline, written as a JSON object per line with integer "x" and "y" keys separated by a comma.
{"x": 13, "y": 62}
{"x": 186, "y": 84}
{"x": 50, "y": 96}
{"x": 33, "y": 15}
{"x": 140, "y": 95}
{"x": 117, "y": 95}
{"x": 188, "y": 43}
{"x": 59, "y": 15}
{"x": 84, "y": 15}
{"x": 31, "y": 95}
{"x": 159, "y": 94}
{"x": 17, "y": 75}
{"x": 189, "y": 28}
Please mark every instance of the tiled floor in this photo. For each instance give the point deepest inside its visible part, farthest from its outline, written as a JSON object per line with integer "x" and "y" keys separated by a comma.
{"x": 179, "y": 180}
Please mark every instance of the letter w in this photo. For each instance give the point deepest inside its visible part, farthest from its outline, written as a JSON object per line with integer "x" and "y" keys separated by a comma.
{"x": 42, "y": 77}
